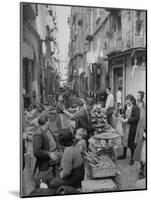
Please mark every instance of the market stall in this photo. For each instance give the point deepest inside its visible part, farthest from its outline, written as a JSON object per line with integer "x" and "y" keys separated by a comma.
{"x": 101, "y": 158}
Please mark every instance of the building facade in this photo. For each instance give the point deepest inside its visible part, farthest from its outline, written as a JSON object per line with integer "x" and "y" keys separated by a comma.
{"x": 108, "y": 48}
{"x": 39, "y": 51}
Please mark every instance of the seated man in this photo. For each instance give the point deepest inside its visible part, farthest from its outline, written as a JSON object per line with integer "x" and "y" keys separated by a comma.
{"x": 72, "y": 172}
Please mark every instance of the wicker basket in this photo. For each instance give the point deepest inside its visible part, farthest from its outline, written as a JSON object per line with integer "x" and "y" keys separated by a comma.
{"x": 97, "y": 172}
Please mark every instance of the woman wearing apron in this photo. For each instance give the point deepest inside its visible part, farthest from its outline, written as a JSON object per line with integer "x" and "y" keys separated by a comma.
{"x": 130, "y": 121}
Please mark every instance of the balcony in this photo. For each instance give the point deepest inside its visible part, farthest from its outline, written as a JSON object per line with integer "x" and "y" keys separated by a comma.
{"x": 29, "y": 12}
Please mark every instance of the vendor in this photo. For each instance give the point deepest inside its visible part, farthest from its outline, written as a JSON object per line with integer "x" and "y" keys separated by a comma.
{"x": 83, "y": 118}
{"x": 72, "y": 172}
{"x": 60, "y": 109}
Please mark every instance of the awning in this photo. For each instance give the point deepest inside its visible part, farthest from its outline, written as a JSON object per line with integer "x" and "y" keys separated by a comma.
{"x": 27, "y": 51}
{"x": 126, "y": 52}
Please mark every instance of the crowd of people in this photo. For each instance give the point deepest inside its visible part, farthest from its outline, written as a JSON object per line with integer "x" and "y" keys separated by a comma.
{"x": 59, "y": 160}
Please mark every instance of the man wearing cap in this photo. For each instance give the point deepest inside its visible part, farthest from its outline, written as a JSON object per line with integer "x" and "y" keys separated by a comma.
{"x": 41, "y": 150}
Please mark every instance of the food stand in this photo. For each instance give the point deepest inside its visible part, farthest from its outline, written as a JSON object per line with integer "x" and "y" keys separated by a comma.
{"x": 101, "y": 159}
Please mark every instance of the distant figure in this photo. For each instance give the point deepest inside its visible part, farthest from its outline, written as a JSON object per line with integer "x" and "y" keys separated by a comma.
{"x": 26, "y": 100}
{"x": 98, "y": 96}
{"x": 109, "y": 106}
{"x": 103, "y": 98}
{"x": 119, "y": 101}
{"x": 66, "y": 98}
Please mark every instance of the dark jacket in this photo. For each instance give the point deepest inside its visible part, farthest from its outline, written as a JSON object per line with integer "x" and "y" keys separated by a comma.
{"x": 40, "y": 150}
{"x": 133, "y": 121}
{"x": 83, "y": 120}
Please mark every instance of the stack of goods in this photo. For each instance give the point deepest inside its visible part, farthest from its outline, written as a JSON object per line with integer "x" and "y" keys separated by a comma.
{"x": 103, "y": 142}
{"x": 100, "y": 166}
{"x": 99, "y": 121}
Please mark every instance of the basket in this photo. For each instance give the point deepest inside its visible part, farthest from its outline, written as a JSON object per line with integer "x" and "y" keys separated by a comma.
{"x": 97, "y": 172}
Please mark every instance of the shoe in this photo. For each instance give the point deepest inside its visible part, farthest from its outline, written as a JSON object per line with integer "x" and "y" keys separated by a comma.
{"x": 131, "y": 162}
{"x": 141, "y": 175}
{"x": 122, "y": 157}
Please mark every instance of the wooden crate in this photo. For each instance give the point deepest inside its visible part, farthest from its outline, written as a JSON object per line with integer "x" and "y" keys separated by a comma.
{"x": 102, "y": 172}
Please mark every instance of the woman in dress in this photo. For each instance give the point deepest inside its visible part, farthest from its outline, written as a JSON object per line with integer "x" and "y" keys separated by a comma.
{"x": 131, "y": 115}
{"x": 140, "y": 133}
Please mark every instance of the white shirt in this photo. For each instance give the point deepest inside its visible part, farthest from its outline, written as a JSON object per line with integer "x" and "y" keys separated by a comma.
{"x": 109, "y": 101}
{"x": 119, "y": 96}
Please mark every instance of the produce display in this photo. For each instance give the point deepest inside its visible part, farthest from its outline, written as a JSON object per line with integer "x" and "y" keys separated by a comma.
{"x": 100, "y": 166}
{"x": 99, "y": 122}
{"x": 98, "y": 161}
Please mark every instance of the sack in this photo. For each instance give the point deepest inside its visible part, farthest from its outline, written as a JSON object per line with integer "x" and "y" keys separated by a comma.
{"x": 119, "y": 129}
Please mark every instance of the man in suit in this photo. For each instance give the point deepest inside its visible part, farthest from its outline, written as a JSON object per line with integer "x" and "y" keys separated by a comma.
{"x": 41, "y": 150}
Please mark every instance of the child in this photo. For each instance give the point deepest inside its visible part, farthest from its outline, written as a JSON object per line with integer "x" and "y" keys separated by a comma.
{"x": 72, "y": 172}
{"x": 81, "y": 135}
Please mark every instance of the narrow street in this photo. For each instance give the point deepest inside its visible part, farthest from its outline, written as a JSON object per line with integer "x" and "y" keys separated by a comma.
{"x": 83, "y": 72}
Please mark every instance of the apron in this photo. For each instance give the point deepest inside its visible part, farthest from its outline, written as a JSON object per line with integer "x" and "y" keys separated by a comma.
{"x": 126, "y": 128}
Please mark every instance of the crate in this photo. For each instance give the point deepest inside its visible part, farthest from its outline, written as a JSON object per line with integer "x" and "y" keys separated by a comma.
{"x": 97, "y": 172}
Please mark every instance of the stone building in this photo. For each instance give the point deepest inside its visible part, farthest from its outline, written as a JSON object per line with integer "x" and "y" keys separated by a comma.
{"x": 108, "y": 48}
{"x": 30, "y": 52}
{"x": 39, "y": 51}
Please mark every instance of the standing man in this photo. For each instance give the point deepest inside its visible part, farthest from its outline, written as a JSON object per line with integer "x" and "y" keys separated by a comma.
{"x": 109, "y": 106}
{"x": 83, "y": 118}
{"x": 41, "y": 149}
{"x": 119, "y": 101}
